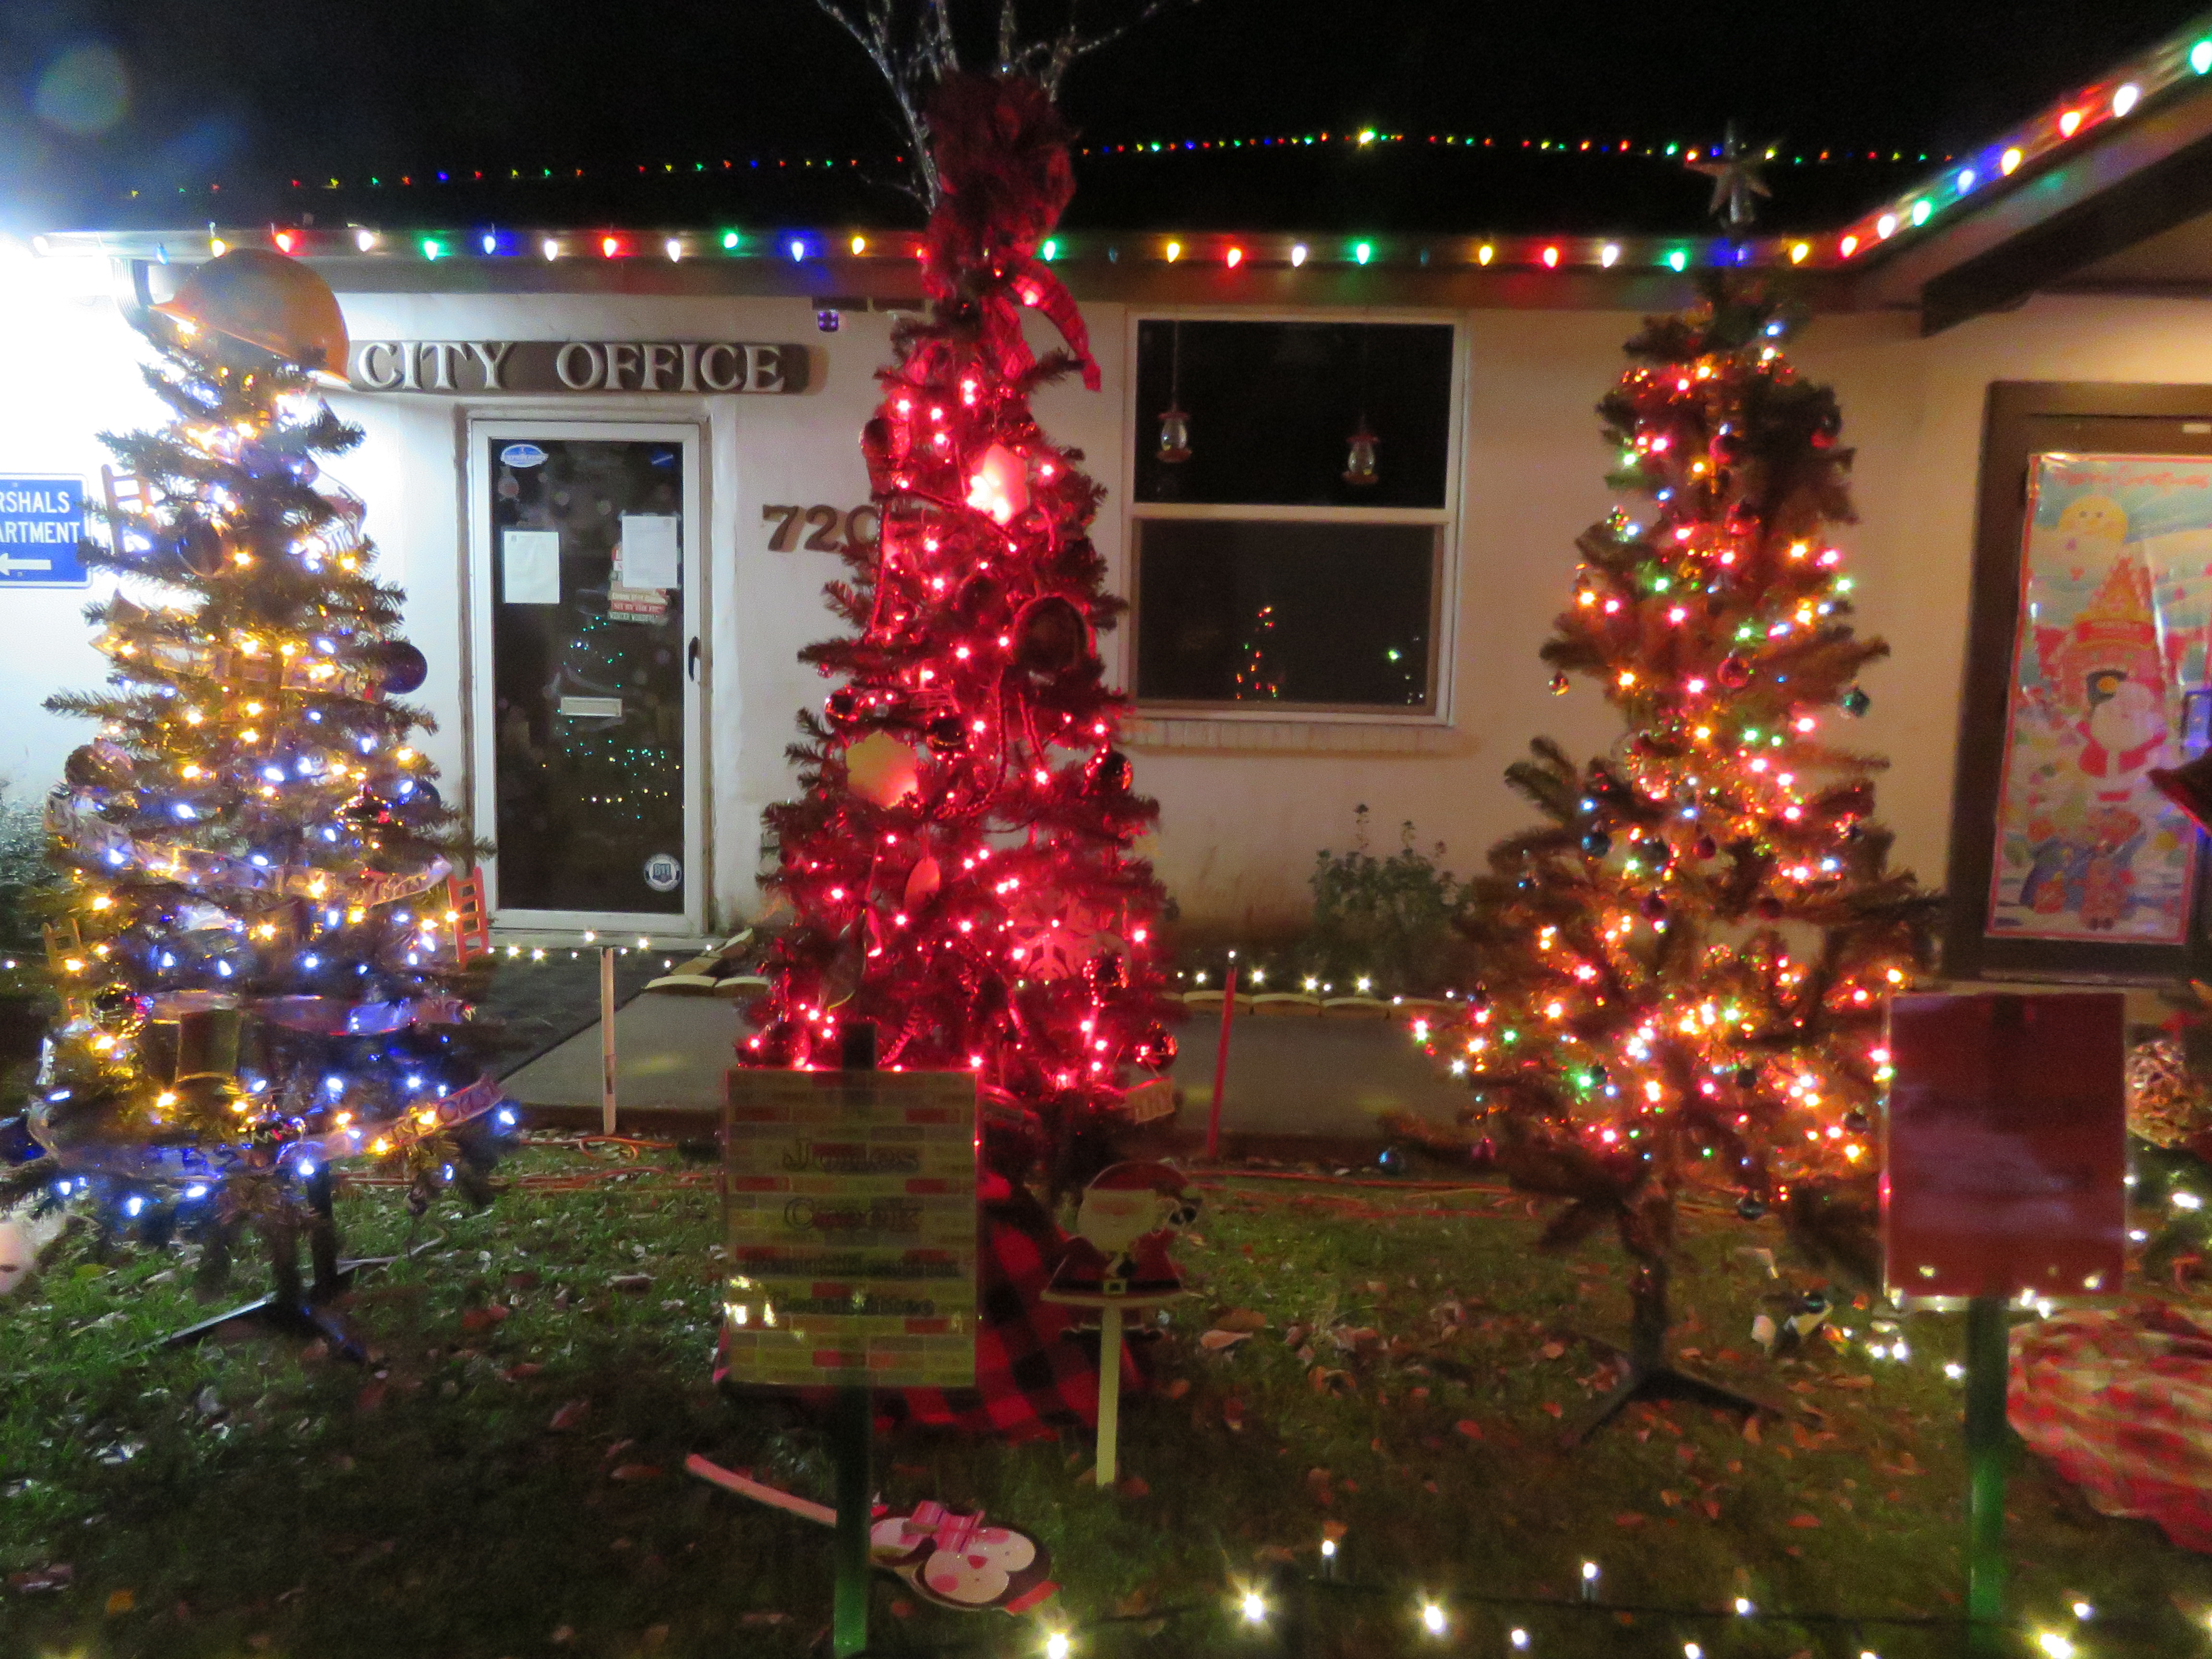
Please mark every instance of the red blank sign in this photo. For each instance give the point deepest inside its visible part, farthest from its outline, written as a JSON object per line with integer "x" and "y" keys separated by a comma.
{"x": 2007, "y": 1160}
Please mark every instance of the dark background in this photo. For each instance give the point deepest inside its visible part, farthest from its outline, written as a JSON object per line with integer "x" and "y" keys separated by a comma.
{"x": 102, "y": 97}
{"x": 1270, "y": 405}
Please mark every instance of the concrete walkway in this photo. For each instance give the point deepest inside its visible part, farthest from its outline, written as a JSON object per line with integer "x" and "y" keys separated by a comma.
{"x": 1329, "y": 1078}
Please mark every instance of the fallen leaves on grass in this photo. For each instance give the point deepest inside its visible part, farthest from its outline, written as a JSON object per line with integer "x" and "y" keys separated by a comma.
{"x": 1241, "y": 1319}
{"x": 1804, "y": 1520}
{"x": 1326, "y": 1381}
{"x": 635, "y": 1472}
{"x": 522, "y": 1372}
{"x": 121, "y": 1601}
{"x": 569, "y": 1416}
{"x": 1470, "y": 1427}
{"x": 54, "y": 1576}
{"x": 1215, "y": 1341}
{"x": 484, "y": 1318}
{"x": 1630, "y": 1518}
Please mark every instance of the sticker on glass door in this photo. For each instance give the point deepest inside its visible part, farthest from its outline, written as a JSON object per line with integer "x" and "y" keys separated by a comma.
{"x": 589, "y": 674}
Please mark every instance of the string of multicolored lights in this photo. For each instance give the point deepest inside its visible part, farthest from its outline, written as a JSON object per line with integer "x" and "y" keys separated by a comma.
{"x": 1365, "y": 137}
{"x": 1372, "y": 138}
{"x": 2063, "y": 128}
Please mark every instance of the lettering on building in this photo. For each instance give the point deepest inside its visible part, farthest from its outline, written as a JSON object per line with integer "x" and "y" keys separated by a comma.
{"x": 475, "y": 367}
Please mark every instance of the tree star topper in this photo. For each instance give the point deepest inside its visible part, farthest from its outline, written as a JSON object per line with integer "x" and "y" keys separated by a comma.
{"x": 1735, "y": 172}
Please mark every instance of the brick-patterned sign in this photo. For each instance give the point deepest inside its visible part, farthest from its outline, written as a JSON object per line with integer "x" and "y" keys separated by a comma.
{"x": 852, "y": 1228}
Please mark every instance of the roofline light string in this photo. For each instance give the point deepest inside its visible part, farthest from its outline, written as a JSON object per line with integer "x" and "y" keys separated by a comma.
{"x": 2126, "y": 94}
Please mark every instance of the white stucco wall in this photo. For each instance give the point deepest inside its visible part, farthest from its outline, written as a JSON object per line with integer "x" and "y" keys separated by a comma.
{"x": 1240, "y": 829}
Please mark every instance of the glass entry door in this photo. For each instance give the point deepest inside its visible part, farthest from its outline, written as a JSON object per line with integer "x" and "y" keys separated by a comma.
{"x": 587, "y": 673}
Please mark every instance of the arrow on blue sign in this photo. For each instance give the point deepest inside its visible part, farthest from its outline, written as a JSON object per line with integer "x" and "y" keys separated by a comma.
{"x": 41, "y": 531}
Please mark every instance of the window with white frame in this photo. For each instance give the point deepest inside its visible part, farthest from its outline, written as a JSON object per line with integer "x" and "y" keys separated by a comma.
{"x": 1290, "y": 514}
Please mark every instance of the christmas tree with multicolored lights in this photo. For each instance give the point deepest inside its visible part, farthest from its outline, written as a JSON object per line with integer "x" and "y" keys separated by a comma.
{"x": 959, "y": 870}
{"x": 257, "y": 954}
{"x": 1684, "y": 969}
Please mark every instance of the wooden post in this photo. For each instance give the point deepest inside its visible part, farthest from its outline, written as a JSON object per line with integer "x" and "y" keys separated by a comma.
{"x": 1110, "y": 1395}
{"x": 1220, "y": 1070}
{"x": 606, "y": 1039}
{"x": 851, "y": 1437}
{"x": 1989, "y": 1362}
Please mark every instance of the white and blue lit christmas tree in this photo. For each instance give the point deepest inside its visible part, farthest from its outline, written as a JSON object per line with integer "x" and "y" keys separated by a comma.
{"x": 257, "y": 957}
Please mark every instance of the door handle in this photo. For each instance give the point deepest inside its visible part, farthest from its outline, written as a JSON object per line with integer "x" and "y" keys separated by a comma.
{"x": 691, "y": 660}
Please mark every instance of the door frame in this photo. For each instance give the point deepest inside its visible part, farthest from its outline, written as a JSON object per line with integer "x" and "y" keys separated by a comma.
{"x": 690, "y": 437}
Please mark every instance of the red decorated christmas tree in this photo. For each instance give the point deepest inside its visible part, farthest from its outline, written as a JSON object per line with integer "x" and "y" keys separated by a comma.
{"x": 1685, "y": 968}
{"x": 958, "y": 868}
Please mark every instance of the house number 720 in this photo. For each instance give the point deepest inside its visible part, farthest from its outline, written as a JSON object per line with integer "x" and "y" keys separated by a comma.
{"x": 861, "y": 525}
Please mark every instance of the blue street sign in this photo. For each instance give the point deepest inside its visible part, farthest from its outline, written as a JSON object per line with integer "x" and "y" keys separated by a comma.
{"x": 41, "y": 525}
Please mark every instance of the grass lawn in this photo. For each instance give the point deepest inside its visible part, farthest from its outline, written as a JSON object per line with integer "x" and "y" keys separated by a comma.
{"x": 252, "y": 1497}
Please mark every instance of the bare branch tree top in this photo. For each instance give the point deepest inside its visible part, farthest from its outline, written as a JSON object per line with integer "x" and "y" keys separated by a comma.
{"x": 913, "y": 45}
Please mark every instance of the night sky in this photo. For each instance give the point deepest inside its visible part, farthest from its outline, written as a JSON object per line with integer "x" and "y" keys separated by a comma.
{"x": 103, "y": 96}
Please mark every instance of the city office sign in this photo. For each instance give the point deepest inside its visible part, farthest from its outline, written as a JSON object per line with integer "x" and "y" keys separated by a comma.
{"x": 463, "y": 367}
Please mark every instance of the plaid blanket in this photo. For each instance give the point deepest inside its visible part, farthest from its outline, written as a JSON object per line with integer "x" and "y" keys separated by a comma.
{"x": 2119, "y": 1401}
{"x": 1035, "y": 1375}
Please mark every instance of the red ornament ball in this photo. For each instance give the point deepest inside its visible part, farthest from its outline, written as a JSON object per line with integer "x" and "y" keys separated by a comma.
{"x": 1734, "y": 673}
{"x": 1109, "y": 774}
{"x": 946, "y": 735}
{"x": 1051, "y": 638}
{"x": 1156, "y": 1049}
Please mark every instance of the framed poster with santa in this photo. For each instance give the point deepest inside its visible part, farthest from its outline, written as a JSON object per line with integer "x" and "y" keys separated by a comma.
{"x": 2091, "y": 651}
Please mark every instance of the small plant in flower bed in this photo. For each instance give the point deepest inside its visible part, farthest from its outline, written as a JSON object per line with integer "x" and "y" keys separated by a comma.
{"x": 1386, "y": 920}
{"x": 1381, "y": 926}
{"x": 1388, "y": 1368}
{"x": 25, "y": 1004}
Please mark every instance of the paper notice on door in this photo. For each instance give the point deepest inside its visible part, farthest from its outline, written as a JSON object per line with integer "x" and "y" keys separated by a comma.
{"x": 530, "y": 567}
{"x": 650, "y": 557}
